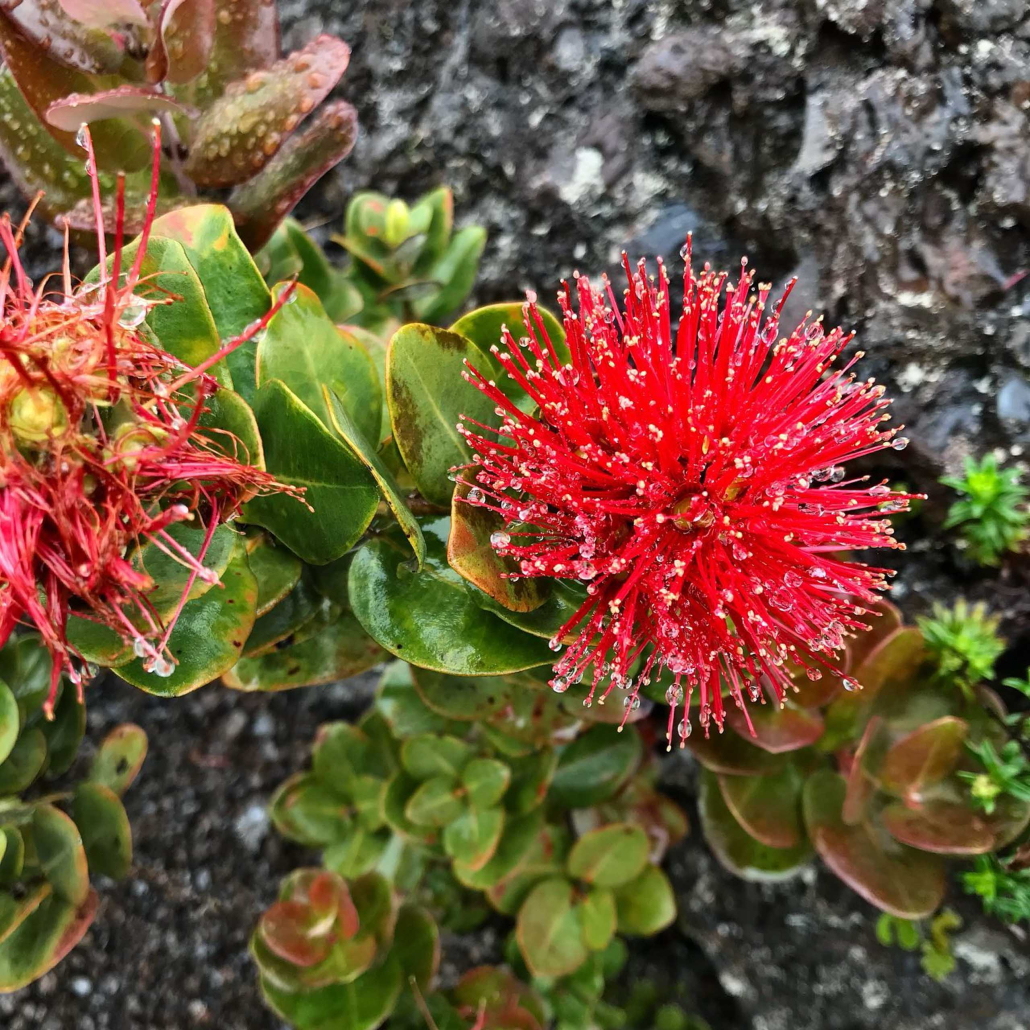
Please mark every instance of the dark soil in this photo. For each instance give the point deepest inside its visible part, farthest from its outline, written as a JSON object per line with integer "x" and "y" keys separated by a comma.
{"x": 880, "y": 149}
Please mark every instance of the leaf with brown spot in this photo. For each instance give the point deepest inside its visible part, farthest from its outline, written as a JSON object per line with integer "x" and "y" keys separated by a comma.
{"x": 245, "y": 127}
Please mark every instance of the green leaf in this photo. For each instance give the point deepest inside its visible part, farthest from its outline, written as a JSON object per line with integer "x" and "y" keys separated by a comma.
{"x": 24, "y": 763}
{"x": 610, "y": 856}
{"x": 10, "y": 721}
{"x": 472, "y": 838}
{"x": 427, "y": 756}
{"x": 105, "y": 830}
{"x": 236, "y": 294}
{"x": 435, "y": 803}
{"x": 300, "y": 451}
{"x": 417, "y": 944}
{"x": 12, "y": 855}
{"x": 276, "y": 570}
{"x": 531, "y": 776}
{"x": 25, "y": 666}
{"x": 485, "y": 780}
{"x": 362, "y": 1004}
{"x": 358, "y": 854}
{"x": 97, "y": 643}
{"x": 119, "y": 758}
{"x": 427, "y": 617}
{"x": 767, "y": 807}
{"x": 402, "y": 707}
{"x": 209, "y": 634}
{"x": 545, "y": 857}
{"x": 456, "y": 270}
{"x": 484, "y": 326}
{"x": 471, "y": 553}
{"x": 594, "y": 766}
{"x": 352, "y": 436}
{"x": 60, "y": 853}
{"x": 343, "y": 753}
{"x": 295, "y": 610}
{"x": 310, "y": 812}
{"x": 65, "y": 731}
{"x": 230, "y": 427}
{"x": 520, "y": 835}
{"x": 597, "y": 915}
{"x": 735, "y": 848}
{"x": 895, "y": 878}
{"x": 42, "y": 939}
{"x": 427, "y": 396}
{"x": 304, "y": 350}
{"x": 646, "y": 905}
{"x": 549, "y": 932}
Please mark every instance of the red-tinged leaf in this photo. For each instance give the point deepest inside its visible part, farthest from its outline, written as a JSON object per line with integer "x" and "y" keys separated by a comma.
{"x": 926, "y": 756}
{"x": 46, "y": 24}
{"x": 260, "y": 204}
{"x": 860, "y": 787}
{"x": 897, "y": 658}
{"x": 767, "y": 807}
{"x": 102, "y": 14}
{"x": 136, "y": 102}
{"x": 184, "y": 40}
{"x": 42, "y": 81}
{"x": 733, "y": 755}
{"x": 883, "y": 621}
{"x": 76, "y": 927}
{"x": 942, "y": 827}
{"x": 246, "y": 38}
{"x": 246, "y": 126}
{"x": 777, "y": 729}
{"x": 900, "y": 880}
{"x": 815, "y": 693}
{"x": 285, "y": 930}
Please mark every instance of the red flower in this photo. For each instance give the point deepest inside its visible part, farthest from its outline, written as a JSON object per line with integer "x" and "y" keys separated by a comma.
{"x": 101, "y": 451}
{"x": 694, "y": 482}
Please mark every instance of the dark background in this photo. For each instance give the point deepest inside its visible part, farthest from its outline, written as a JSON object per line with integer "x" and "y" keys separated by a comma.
{"x": 878, "y": 148}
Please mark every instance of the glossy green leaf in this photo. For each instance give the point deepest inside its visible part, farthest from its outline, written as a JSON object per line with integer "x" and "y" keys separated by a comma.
{"x": 427, "y": 397}
{"x": 59, "y": 851}
{"x": 471, "y": 554}
{"x": 10, "y": 721}
{"x": 334, "y": 647}
{"x": 594, "y": 766}
{"x": 25, "y": 666}
{"x": 294, "y": 611}
{"x": 462, "y": 698}
{"x": 735, "y": 848}
{"x": 119, "y": 758}
{"x": 229, "y": 426}
{"x": 610, "y": 856}
{"x": 898, "y": 879}
{"x": 923, "y": 757}
{"x": 12, "y": 855}
{"x": 646, "y": 905}
{"x": 209, "y": 634}
{"x": 105, "y": 830}
{"x": 767, "y": 807}
{"x": 485, "y": 781}
{"x": 350, "y": 432}
{"x": 427, "y": 756}
{"x": 398, "y": 790}
{"x": 435, "y": 803}
{"x": 484, "y": 326}
{"x": 276, "y": 570}
{"x": 548, "y": 930}
{"x": 402, "y": 707}
{"x": 300, "y": 451}
{"x": 427, "y": 617}
{"x": 563, "y": 598}
{"x": 473, "y": 837}
{"x": 304, "y": 350}
{"x": 236, "y": 294}
{"x": 43, "y": 938}
{"x": 24, "y": 763}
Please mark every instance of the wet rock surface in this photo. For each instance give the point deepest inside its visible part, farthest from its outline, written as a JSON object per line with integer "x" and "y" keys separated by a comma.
{"x": 881, "y": 151}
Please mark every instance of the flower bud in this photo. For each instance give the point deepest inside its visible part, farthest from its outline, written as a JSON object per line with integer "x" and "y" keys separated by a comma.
{"x": 36, "y": 414}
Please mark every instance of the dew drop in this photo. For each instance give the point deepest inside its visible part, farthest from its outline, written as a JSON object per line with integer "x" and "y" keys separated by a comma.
{"x": 559, "y": 684}
{"x": 684, "y": 729}
{"x": 475, "y": 496}
{"x": 139, "y": 647}
{"x": 132, "y": 314}
{"x": 499, "y": 539}
{"x": 849, "y": 685}
{"x": 554, "y": 644}
{"x": 899, "y": 443}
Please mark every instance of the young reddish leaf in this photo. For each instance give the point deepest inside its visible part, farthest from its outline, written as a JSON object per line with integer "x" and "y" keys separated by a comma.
{"x": 184, "y": 40}
{"x": 102, "y": 14}
{"x": 71, "y": 111}
{"x": 471, "y": 552}
{"x": 262, "y": 202}
{"x": 285, "y": 929}
{"x": 245, "y": 127}
{"x": 732, "y": 754}
{"x": 924, "y": 757}
{"x": 898, "y": 879}
{"x": 50, "y": 27}
{"x": 777, "y": 729}
{"x": 942, "y": 827}
{"x": 860, "y": 787}
{"x": 896, "y": 659}
{"x": 767, "y": 807}
{"x": 42, "y": 81}
{"x": 883, "y": 621}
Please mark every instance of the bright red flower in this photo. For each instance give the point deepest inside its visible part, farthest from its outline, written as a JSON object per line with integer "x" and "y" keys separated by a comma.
{"x": 101, "y": 450}
{"x": 694, "y": 482}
